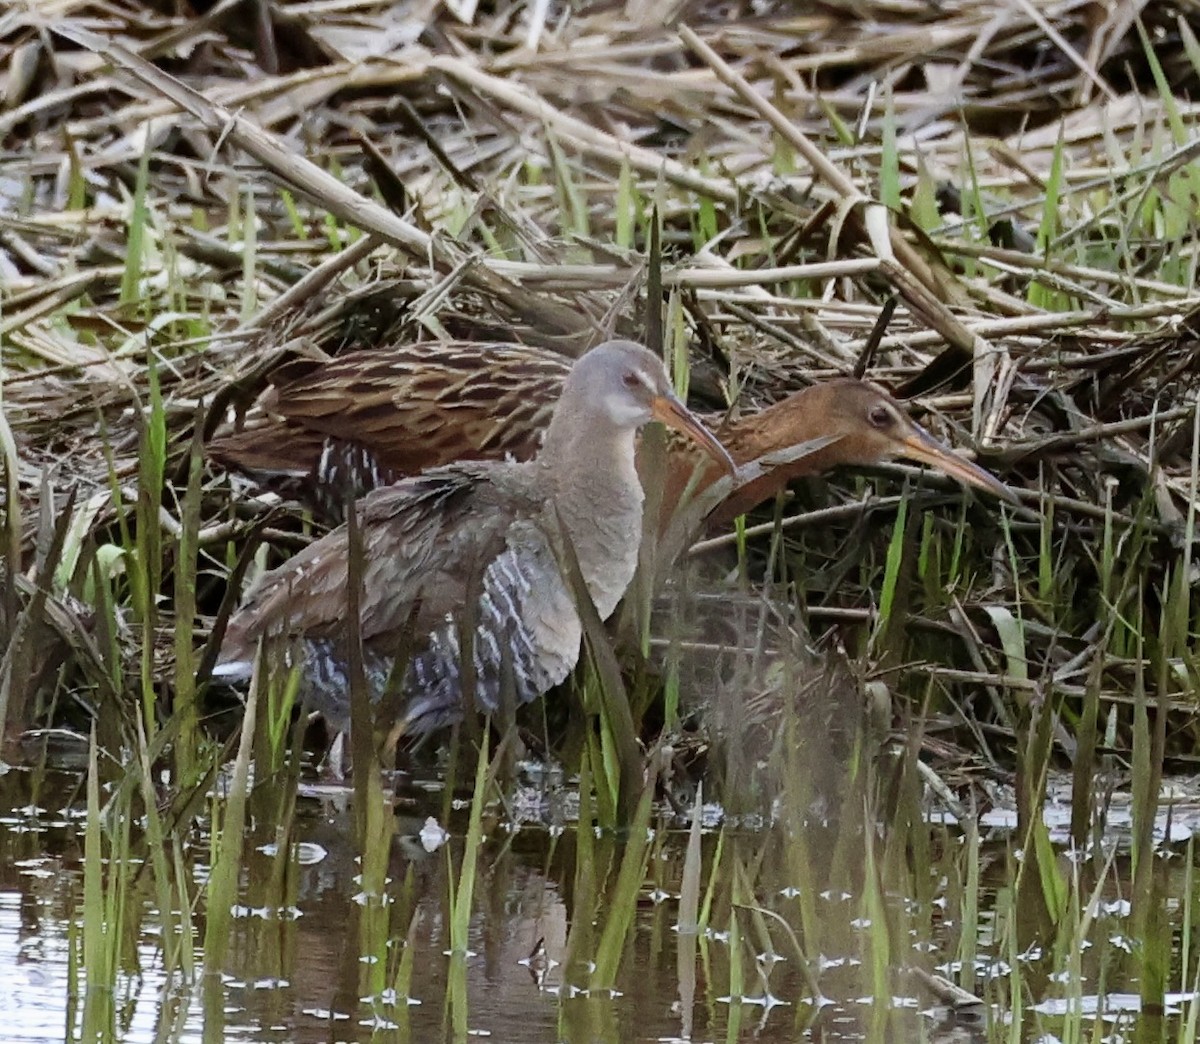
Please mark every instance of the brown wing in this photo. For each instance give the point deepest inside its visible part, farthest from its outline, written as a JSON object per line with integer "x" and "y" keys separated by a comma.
{"x": 271, "y": 450}
{"x": 431, "y": 404}
{"x": 425, "y": 543}
{"x": 412, "y": 408}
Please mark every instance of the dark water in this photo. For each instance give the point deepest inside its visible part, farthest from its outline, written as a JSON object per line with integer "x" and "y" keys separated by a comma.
{"x": 294, "y": 971}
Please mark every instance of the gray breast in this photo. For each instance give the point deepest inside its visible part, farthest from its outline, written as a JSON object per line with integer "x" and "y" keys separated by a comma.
{"x": 606, "y": 541}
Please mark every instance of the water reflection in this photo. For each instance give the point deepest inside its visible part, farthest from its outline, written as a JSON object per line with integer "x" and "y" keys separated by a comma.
{"x": 296, "y": 971}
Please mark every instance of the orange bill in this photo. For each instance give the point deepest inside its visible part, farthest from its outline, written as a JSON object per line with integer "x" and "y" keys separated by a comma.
{"x": 674, "y": 414}
{"x": 918, "y": 445}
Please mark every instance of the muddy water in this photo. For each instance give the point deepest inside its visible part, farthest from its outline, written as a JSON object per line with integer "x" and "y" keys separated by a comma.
{"x": 294, "y": 971}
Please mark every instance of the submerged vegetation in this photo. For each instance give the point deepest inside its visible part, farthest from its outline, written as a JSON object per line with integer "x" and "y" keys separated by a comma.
{"x": 884, "y": 760}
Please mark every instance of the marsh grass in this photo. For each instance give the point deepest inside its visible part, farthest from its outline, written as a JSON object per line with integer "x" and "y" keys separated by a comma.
{"x": 461, "y": 899}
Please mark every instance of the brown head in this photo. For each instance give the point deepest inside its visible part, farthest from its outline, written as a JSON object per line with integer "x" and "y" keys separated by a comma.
{"x": 871, "y": 426}
{"x": 866, "y": 426}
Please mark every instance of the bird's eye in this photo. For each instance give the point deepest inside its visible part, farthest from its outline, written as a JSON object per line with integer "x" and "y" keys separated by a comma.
{"x": 879, "y": 417}
{"x": 632, "y": 380}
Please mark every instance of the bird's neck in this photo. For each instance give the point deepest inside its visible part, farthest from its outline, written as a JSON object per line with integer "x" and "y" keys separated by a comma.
{"x": 789, "y": 422}
{"x": 599, "y": 498}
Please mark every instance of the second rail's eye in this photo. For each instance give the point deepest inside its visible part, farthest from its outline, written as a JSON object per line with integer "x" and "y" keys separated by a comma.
{"x": 879, "y": 416}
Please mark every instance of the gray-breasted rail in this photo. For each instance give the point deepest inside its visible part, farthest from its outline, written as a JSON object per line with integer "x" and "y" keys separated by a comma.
{"x": 472, "y": 554}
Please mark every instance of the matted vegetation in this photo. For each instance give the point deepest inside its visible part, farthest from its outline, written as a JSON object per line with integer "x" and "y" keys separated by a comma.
{"x": 188, "y": 200}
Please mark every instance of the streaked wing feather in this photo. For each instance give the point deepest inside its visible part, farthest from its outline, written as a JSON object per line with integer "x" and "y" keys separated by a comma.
{"x": 427, "y": 405}
{"x": 444, "y": 526}
{"x": 269, "y": 447}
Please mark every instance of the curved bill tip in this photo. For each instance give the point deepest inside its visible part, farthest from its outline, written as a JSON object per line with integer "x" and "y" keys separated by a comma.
{"x": 923, "y": 448}
{"x": 674, "y": 414}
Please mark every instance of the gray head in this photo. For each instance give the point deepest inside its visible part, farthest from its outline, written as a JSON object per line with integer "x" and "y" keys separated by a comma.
{"x": 628, "y": 386}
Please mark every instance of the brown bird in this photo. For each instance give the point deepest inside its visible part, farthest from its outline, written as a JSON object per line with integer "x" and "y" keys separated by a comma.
{"x": 370, "y": 417}
{"x": 474, "y": 550}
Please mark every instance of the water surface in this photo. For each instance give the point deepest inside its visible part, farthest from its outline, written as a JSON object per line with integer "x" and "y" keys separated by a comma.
{"x": 295, "y": 972}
